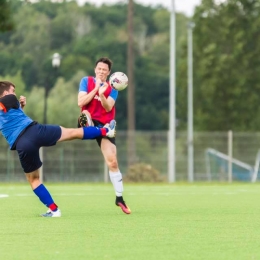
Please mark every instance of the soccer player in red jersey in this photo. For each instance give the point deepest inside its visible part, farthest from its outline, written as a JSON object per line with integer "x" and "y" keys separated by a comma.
{"x": 97, "y": 98}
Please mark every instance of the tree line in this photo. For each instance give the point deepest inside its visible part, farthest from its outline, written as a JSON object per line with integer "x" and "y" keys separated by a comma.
{"x": 225, "y": 55}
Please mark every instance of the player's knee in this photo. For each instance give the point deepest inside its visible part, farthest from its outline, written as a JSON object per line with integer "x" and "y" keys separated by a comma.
{"x": 33, "y": 176}
{"x": 112, "y": 163}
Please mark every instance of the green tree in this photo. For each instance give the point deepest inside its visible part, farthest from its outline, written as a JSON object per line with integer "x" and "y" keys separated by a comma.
{"x": 61, "y": 31}
{"x": 62, "y": 102}
{"x": 6, "y": 22}
{"x": 226, "y": 66}
{"x": 34, "y": 107}
{"x": 82, "y": 35}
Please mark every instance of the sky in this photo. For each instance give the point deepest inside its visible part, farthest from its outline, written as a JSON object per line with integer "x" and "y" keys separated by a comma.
{"x": 185, "y": 6}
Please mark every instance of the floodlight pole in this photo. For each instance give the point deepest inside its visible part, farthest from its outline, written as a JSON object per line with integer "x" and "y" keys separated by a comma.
{"x": 55, "y": 61}
{"x": 190, "y": 104}
{"x": 172, "y": 109}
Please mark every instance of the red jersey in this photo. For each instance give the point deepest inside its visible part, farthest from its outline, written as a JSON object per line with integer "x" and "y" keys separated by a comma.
{"x": 95, "y": 107}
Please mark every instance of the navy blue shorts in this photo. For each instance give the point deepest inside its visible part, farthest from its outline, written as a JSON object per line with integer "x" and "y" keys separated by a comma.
{"x": 29, "y": 143}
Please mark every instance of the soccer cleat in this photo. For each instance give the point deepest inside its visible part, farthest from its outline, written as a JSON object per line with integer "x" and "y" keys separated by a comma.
{"x": 120, "y": 203}
{"x": 111, "y": 128}
{"x": 52, "y": 214}
{"x": 84, "y": 120}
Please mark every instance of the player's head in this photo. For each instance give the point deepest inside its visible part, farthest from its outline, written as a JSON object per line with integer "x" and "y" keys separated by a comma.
{"x": 6, "y": 87}
{"x": 103, "y": 68}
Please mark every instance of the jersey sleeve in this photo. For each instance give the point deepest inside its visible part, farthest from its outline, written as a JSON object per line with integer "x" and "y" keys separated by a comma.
{"x": 8, "y": 102}
{"x": 83, "y": 85}
{"x": 113, "y": 94}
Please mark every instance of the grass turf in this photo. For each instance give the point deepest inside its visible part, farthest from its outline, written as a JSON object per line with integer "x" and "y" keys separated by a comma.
{"x": 180, "y": 221}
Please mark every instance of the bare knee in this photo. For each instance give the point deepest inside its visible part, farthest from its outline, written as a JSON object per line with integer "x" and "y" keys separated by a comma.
{"x": 33, "y": 178}
{"x": 112, "y": 163}
{"x": 110, "y": 155}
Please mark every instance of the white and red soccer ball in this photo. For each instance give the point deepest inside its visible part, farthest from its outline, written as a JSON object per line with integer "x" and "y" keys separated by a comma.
{"x": 118, "y": 81}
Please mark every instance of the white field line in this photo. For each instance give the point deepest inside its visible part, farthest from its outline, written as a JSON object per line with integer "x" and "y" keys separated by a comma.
{"x": 13, "y": 191}
{"x": 158, "y": 193}
{"x": 3, "y": 196}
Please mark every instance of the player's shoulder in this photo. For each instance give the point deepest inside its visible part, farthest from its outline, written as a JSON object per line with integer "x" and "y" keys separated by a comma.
{"x": 85, "y": 83}
{"x": 86, "y": 79}
{"x": 9, "y": 101}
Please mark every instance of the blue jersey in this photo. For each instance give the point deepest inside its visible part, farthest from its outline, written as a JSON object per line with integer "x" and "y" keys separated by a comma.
{"x": 12, "y": 118}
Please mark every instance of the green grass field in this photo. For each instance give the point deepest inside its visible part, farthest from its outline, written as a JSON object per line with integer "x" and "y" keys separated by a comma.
{"x": 180, "y": 221}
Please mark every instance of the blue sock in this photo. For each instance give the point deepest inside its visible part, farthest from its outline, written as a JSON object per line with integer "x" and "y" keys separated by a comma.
{"x": 91, "y": 132}
{"x": 44, "y": 195}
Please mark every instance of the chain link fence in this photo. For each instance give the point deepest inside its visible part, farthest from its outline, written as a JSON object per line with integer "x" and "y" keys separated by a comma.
{"x": 80, "y": 161}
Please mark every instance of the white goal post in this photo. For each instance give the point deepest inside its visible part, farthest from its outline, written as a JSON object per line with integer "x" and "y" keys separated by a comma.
{"x": 223, "y": 162}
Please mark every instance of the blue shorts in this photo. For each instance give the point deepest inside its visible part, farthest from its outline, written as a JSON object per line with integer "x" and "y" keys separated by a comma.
{"x": 29, "y": 143}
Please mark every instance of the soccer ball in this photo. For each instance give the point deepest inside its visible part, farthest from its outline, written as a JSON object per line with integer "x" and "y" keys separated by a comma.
{"x": 118, "y": 81}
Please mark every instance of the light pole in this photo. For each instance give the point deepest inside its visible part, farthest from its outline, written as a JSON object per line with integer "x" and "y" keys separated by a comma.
{"x": 191, "y": 25}
{"x": 56, "y": 59}
{"x": 172, "y": 101}
{"x": 131, "y": 143}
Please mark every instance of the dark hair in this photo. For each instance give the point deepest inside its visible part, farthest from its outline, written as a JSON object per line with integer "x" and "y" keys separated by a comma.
{"x": 106, "y": 61}
{"x": 5, "y": 85}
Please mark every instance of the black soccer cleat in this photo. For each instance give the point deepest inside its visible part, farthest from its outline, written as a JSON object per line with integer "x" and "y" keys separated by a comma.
{"x": 83, "y": 120}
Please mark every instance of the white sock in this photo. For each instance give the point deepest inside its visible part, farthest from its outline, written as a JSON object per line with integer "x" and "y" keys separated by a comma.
{"x": 117, "y": 181}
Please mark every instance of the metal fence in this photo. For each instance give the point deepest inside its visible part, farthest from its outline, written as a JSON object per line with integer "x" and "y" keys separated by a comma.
{"x": 79, "y": 161}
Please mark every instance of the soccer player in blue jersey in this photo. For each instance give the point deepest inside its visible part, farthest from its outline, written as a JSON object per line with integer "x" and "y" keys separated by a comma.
{"x": 27, "y": 136}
